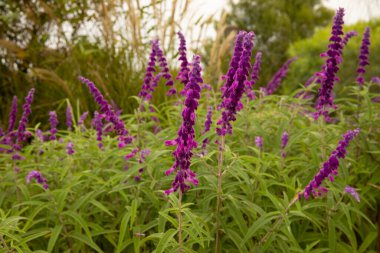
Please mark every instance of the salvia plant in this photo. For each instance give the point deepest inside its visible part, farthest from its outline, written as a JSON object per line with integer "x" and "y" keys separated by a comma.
{"x": 265, "y": 176}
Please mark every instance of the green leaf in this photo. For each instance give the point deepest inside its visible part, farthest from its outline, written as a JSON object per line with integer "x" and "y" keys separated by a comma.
{"x": 54, "y": 236}
{"x": 86, "y": 240}
{"x": 165, "y": 240}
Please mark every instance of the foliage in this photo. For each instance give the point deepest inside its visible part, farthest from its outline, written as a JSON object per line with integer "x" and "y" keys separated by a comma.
{"x": 94, "y": 204}
{"x": 307, "y": 64}
{"x": 277, "y": 25}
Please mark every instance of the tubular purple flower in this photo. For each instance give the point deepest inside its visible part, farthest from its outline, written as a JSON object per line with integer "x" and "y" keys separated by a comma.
{"x": 70, "y": 148}
{"x": 39, "y": 178}
{"x": 183, "y": 74}
{"x": 97, "y": 122}
{"x": 132, "y": 154}
{"x": 284, "y": 140}
{"x": 69, "y": 117}
{"x": 24, "y": 118}
{"x": 53, "y": 125}
{"x": 185, "y": 141}
{"x": 208, "y": 121}
{"x": 234, "y": 91}
{"x": 352, "y": 191}
{"x": 330, "y": 167}
{"x": 254, "y": 76}
{"x": 348, "y": 36}
{"x": 328, "y": 75}
{"x": 12, "y": 115}
{"x": 364, "y": 56}
{"x": 234, "y": 64}
{"x": 82, "y": 119}
{"x": 259, "y": 142}
{"x": 110, "y": 114}
{"x": 275, "y": 82}
{"x": 146, "y": 88}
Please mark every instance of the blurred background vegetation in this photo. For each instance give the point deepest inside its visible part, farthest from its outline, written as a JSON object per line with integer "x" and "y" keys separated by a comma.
{"x": 46, "y": 44}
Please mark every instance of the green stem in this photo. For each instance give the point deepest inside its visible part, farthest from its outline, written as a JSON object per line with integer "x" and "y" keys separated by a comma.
{"x": 219, "y": 196}
{"x": 180, "y": 240}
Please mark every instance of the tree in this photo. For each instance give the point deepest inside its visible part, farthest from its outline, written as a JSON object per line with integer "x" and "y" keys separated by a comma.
{"x": 277, "y": 24}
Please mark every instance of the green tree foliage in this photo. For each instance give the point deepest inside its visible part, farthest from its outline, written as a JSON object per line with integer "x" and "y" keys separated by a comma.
{"x": 309, "y": 62}
{"x": 277, "y": 24}
{"x": 47, "y": 44}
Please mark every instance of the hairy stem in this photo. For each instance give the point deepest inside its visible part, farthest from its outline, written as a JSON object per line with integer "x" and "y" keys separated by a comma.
{"x": 219, "y": 196}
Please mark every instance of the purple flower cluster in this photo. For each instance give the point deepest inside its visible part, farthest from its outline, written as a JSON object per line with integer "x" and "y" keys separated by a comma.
{"x": 235, "y": 79}
{"x": 69, "y": 117}
{"x": 97, "y": 122}
{"x": 185, "y": 141}
{"x": 275, "y": 82}
{"x": 164, "y": 69}
{"x": 70, "y": 148}
{"x": 328, "y": 75}
{"x": 53, "y": 125}
{"x": 39, "y": 178}
{"x": 145, "y": 92}
{"x": 254, "y": 77}
{"x": 259, "y": 142}
{"x": 363, "y": 58}
{"x": 352, "y": 191}
{"x": 132, "y": 154}
{"x": 348, "y": 36}
{"x": 330, "y": 167}
{"x": 207, "y": 126}
{"x": 183, "y": 74}
{"x": 284, "y": 142}
{"x": 109, "y": 113}
{"x": 21, "y": 135}
{"x": 12, "y": 115}
{"x": 82, "y": 119}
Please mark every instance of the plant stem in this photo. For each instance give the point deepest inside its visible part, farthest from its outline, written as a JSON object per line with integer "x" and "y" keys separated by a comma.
{"x": 180, "y": 221}
{"x": 219, "y": 196}
{"x": 279, "y": 221}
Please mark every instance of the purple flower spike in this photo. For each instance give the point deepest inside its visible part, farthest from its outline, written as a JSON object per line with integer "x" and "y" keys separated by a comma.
{"x": 69, "y": 117}
{"x": 364, "y": 57}
{"x": 163, "y": 64}
{"x": 234, "y": 86}
{"x": 183, "y": 74}
{"x": 97, "y": 122}
{"x": 330, "y": 167}
{"x": 17, "y": 157}
{"x": 110, "y": 114}
{"x": 328, "y": 75}
{"x": 208, "y": 121}
{"x": 39, "y": 178}
{"x": 132, "y": 154}
{"x": 12, "y": 115}
{"x": 82, "y": 119}
{"x": 352, "y": 191}
{"x": 348, "y": 36}
{"x": 275, "y": 82}
{"x": 53, "y": 125}
{"x": 70, "y": 148}
{"x": 259, "y": 142}
{"x": 254, "y": 76}
{"x": 284, "y": 142}
{"x": 185, "y": 141}
{"x": 376, "y": 80}
{"x": 24, "y": 118}
{"x": 149, "y": 75}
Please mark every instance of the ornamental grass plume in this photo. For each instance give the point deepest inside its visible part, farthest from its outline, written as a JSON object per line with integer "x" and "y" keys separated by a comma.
{"x": 254, "y": 76}
{"x": 12, "y": 115}
{"x": 69, "y": 117}
{"x": 235, "y": 79}
{"x": 330, "y": 167}
{"x": 275, "y": 82}
{"x": 328, "y": 75}
{"x": 364, "y": 56}
{"x": 39, "y": 178}
{"x": 53, "y": 125}
{"x": 109, "y": 113}
{"x": 185, "y": 141}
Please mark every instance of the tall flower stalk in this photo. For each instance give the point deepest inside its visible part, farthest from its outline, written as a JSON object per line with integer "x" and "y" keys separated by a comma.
{"x": 183, "y": 74}
{"x": 254, "y": 76}
{"x": 330, "y": 167}
{"x": 233, "y": 89}
{"x": 363, "y": 57}
{"x": 275, "y": 82}
{"x": 53, "y": 125}
{"x": 27, "y": 110}
{"x": 328, "y": 75}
